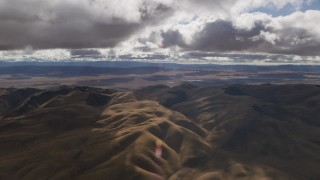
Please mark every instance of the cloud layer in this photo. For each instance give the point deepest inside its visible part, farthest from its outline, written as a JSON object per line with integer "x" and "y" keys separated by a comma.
{"x": 45, "y": 24}
{"x": 159, "y": 29}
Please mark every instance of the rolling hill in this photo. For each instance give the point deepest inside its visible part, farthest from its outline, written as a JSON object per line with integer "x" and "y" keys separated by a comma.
{"x": 159, "y": 132}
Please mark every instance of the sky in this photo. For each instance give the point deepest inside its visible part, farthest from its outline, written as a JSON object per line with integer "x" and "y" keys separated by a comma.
{"x": 185, "y": 31}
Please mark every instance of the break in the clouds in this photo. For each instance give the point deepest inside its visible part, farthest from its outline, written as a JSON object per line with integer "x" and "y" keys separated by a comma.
{"x": 265, "y": 30}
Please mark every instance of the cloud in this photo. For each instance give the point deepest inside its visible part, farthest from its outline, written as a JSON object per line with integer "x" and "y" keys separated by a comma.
{"x": 172, "y": 38}
{"x": 153, "y": 56}
{"x": 223, "y": 36}
{"x": 46, "y": 24}
{"x": 144, "y": 29}
{"x": 236, "y": 7}
{"x": 249, "y": 58}
{"x": 296, "y": 34}
{"x": 85, "y": 53}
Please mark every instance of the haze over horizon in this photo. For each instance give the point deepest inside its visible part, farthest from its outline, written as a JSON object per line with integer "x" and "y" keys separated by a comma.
{"x": 188, "y": 31}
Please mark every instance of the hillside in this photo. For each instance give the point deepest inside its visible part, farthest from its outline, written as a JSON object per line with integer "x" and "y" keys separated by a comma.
{"x": 160, "y": 132}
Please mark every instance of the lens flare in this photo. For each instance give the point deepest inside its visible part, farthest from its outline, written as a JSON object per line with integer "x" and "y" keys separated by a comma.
{"x": 158, "y": 149}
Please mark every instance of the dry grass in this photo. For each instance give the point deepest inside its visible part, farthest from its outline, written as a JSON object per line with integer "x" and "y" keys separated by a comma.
{"x": 88, "y": 133}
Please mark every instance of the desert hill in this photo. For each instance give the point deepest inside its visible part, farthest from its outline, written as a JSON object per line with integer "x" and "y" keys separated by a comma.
{"x": 229, "y": 132}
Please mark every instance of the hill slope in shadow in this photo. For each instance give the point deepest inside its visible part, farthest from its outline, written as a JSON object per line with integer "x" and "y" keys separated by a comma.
{"x": 231, "y": 132}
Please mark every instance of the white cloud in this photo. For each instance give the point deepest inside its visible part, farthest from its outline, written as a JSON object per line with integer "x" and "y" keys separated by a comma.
{"x": 248, "y": 21}
{"x": 269, "y": 37}
{"x": 301, "y": 20}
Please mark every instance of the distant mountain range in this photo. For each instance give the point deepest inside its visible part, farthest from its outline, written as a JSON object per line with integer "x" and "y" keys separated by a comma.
{"x": 130, "y": 64}
{"x": 125, "y": 75}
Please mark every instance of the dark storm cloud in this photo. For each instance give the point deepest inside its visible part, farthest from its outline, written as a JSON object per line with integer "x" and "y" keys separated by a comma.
{"x": 223, "y": 36}
{"x": 216, "y": 36}
{"x": 172, "y": 38}
{"x": 44, "y": 24}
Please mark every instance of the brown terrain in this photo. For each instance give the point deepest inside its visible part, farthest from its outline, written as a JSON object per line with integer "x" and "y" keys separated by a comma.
{"x": 123, "y": 77}
{"x": 208, "y": 133}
